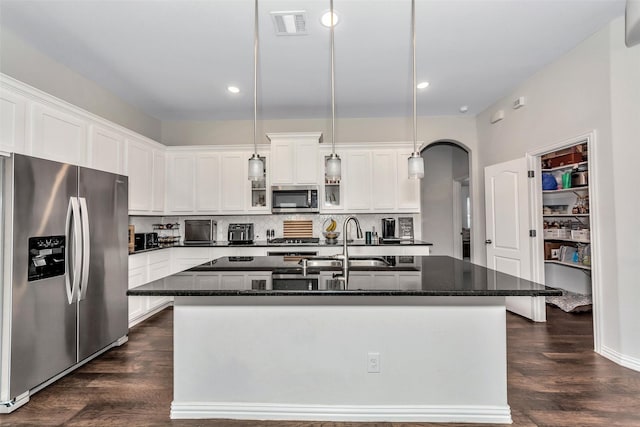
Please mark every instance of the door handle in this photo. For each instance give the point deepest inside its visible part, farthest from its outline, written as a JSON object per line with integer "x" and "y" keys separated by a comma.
{"x": 488, "y": 241}
{"x": 71, "y": 280}
{"x": 86, "y": 247}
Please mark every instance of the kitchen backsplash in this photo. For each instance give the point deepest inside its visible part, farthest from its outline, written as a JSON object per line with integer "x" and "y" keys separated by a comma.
{"x": 262, "y": 223}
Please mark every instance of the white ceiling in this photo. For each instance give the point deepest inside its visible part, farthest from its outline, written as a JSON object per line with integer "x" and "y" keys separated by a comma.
{"x": 175, "y": 59}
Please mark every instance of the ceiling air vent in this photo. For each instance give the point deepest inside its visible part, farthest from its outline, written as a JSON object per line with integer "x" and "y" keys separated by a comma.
{"x": 292, "y": 23}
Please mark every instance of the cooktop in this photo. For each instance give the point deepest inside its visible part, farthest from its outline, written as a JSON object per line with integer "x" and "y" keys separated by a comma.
{"x": 295, "y": 240}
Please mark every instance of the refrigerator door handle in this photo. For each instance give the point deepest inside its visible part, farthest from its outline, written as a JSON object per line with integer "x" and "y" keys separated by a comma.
{"x": 86, "y": 248}
{"x": 71, "y": 280}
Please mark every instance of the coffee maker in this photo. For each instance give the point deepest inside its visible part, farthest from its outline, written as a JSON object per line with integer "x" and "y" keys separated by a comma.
{"x": 389, "y": 229}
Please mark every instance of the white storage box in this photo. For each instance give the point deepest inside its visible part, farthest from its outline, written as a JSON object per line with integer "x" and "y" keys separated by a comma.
{"x": 580, "y": 234}
{"x": 557, "y": 233}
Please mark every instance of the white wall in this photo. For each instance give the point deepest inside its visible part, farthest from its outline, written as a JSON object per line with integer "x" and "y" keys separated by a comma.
{"x": 23, "y": 62}
{"x": 625, "y": 120}
{"x": 577, "y": 94}
{"x": 436, "y": 198}
{"x": 348, "y": 130}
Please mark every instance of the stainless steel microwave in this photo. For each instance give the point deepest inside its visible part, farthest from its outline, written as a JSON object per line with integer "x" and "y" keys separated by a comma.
{"x": 294, "y": 198}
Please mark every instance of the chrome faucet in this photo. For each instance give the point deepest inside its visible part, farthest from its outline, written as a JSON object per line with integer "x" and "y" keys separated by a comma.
{"x": 345, "y": 248}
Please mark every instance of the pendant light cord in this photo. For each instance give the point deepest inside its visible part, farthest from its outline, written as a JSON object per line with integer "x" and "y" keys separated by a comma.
{"x": 333, "y": 86}
{"x": 255, "y": 80}
{"x": 413, "y": 41}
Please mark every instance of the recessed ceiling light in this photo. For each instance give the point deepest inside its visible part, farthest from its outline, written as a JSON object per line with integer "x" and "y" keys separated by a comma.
{"x": 326, "y": 19}
{"x": 464, "y": 108}
{"x": 233, "y": 89}
{"x": 422, "y": 85}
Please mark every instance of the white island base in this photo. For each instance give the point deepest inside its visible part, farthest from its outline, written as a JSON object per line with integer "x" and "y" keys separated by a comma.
{"x": 441, "y": 359}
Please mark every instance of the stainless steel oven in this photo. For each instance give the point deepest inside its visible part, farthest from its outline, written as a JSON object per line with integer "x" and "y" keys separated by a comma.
{"x": 294, "y": 198}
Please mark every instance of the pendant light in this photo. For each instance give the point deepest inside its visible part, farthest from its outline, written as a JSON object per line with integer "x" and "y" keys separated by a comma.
{"x": 416, "y": 162}
{"x": 256, "y": 167}
{"x": 333, "y": 167}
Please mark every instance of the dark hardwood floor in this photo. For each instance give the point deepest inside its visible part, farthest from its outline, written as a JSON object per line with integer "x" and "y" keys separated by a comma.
{"x": 555, "y": 379}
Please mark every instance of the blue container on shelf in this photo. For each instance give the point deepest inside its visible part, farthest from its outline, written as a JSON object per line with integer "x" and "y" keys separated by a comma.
{"x": 549, "y": 182}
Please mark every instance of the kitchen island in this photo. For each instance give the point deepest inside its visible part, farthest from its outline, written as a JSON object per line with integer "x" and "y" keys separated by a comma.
{"x": 419, "y": 339}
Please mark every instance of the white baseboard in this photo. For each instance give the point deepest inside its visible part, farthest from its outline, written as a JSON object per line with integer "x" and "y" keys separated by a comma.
{"x": 134, "y": 321}
{"x": 353, "y": 413}
{"x": 620, "y": 359}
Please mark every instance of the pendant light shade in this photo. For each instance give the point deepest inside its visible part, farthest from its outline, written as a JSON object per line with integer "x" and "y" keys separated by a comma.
{"x": 416, "y": 162}
{"x": 333, "y": 166}
{"x": 416, "y": 166}
{"x": 256, "y": 168}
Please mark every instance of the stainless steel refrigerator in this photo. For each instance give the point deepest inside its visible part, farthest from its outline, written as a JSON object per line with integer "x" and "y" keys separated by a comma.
{"x": 63, "y": 270}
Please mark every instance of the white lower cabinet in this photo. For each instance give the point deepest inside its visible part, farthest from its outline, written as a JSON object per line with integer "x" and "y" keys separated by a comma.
{"x": 138, "y": 275}
{"x": 159, "y": 268}
{"x": 185, "y": 258}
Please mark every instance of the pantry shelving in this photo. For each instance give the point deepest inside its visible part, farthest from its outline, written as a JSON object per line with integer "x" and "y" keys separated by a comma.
{"x": 566, "y": 220}
{"x": 569, "y": 264}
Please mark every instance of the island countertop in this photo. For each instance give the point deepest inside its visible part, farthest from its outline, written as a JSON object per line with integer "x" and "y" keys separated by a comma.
{"x": 422, "y": 276}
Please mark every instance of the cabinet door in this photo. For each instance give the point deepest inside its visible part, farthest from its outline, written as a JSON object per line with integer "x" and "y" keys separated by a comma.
{"x": 234, "y": 181}
{"x": 384, "y": 180}
{"x": 58, "y": 136}
{"x": 208, "y": 183}
{"x": 12, "y": 122}
{"x": 410, "y": 281}
{"x": 105, "y": 150}
{"x": 207, "y": 281}
{"x": 358, "y": 181}
{"x": 306, "y": 162}
{"x": 282, "y": 160}
{"x": 180, "y": 184}
{"x": 137, "y": 305}
{"x": 158, "y": 265}
{"x": 139, "y": 169}
{"x": 408, "y": 189}
{"x": 158, "y": 183}
{"x": 232, "y": 281}
{"x": 384, "y": 281}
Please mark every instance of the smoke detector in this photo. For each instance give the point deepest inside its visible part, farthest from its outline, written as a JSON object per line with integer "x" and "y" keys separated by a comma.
{"x": 291, "y": 23}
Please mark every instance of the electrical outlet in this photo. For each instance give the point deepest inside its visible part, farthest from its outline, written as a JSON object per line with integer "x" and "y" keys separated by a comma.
{"x": 373, "y": 363}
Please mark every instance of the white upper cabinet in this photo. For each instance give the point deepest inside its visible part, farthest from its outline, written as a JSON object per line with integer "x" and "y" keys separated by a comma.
{"x": 158, "y": 183}
{"x": 294, "y": 158}
{"x": 384, "y": 179}
{"x": 58, "y": 135}
{"x": 357, "y": 180}
{"x": 13, "y": 123}
{"x": 234, "y": 182}
{"x": 282, "y": 161}
{"x": 208, "y": 182}
{"x": 146, "y": 169}
{"x": 106, "y": 149}
{"x": 181, "y": 182}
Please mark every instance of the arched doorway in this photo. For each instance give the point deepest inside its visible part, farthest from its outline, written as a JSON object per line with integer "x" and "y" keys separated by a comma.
{"x": 445, "y": 199}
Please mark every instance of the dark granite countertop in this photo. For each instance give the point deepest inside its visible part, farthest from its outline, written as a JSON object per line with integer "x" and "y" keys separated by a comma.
{"x": 422, "y": 276}
{"x": 267, "y": 244}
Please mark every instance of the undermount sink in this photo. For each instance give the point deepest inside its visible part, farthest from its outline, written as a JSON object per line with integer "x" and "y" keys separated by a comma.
{"x": 367, "y": 262}
{"x": 323, "y": 262}
{"x": 353, "y": 262}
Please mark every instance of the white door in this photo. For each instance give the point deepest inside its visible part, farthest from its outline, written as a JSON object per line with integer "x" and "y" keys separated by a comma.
{"x": 507, "y": 232}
